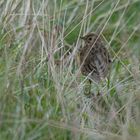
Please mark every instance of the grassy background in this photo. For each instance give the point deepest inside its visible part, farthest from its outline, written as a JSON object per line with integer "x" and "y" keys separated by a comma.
{"x": 41, "y": 88}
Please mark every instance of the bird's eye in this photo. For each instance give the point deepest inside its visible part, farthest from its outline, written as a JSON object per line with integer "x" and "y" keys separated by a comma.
{"x": 89, "y": 39}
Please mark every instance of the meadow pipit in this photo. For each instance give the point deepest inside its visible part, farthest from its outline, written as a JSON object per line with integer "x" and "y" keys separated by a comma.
{"x": 94, "y": 58}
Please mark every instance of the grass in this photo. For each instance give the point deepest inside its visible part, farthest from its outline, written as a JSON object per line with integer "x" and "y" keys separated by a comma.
{"x": 41, "y": 87}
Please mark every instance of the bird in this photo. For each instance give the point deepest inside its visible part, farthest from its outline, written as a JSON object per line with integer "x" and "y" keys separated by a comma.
{"x": 95, "y": 60}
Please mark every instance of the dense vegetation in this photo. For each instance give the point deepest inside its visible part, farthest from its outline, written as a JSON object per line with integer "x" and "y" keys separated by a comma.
{"x": 42, "y": 92}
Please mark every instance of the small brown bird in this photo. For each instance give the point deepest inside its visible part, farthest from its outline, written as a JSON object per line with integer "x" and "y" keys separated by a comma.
{"x": 94, "y": 58}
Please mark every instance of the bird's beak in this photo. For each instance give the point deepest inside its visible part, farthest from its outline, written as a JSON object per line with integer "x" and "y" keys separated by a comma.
{"x": 82, "y": 37}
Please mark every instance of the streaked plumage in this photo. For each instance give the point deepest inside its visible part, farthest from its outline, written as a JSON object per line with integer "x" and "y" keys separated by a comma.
{"x": 94, "y": 58}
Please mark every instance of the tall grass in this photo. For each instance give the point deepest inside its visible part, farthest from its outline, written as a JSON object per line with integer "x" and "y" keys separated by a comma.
{"x": 42, "y": 92}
